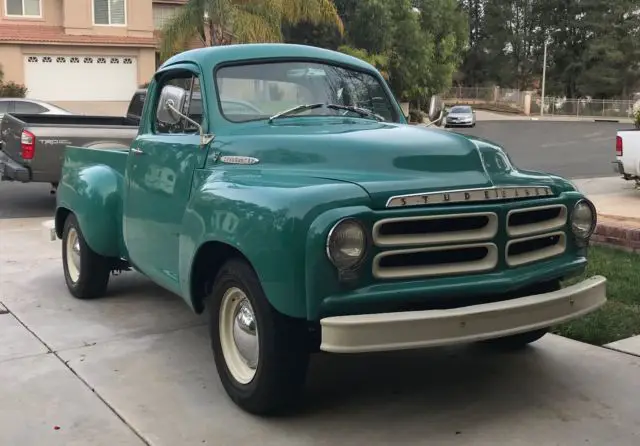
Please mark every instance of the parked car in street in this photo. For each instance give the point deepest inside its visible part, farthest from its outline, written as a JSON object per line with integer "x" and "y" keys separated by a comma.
{"x": 328, "y": 225}
{"x": 460, "y": 116}
{"x": 627, "y": 160}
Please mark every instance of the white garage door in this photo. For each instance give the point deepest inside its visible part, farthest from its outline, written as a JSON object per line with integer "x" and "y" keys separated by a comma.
{"x": 80, "y": 78}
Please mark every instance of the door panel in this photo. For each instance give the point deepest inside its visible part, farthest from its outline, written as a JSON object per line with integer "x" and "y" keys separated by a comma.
{"x": 160, "y": 171}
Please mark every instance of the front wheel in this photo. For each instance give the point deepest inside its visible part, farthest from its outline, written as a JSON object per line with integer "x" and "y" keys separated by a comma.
{"x": 261, "y": 355}
{"x": 85, "y": 271}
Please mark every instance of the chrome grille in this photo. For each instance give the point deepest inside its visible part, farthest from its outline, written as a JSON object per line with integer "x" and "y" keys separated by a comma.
{"x": 435, "y": 229}
{"x": 530, "y": 221}
{"x": 435, "y": 261}
{"x": 533, "y": 249}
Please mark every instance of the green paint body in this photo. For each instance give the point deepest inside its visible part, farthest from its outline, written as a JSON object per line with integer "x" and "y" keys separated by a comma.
{"x": 159, "y": 210}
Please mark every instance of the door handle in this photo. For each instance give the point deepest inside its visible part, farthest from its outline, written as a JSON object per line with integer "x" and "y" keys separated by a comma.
{"x": 137, "y": 151}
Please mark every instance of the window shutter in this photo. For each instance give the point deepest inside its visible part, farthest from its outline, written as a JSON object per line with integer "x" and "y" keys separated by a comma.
{"x": 117, "y": 12}
{"x": 101, "y": 12}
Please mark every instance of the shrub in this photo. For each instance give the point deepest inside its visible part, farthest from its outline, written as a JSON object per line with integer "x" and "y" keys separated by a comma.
{"x": 12, "y": 90}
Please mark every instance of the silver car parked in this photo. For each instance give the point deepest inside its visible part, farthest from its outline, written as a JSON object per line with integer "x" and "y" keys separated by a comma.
{"x": 30, "y": 107}
{"x": 460, "y": 116}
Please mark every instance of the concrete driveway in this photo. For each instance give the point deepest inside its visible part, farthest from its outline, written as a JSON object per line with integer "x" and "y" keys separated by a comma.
{"x": 135, "y": 368}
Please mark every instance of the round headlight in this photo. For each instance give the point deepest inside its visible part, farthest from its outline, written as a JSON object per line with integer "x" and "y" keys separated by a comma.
{"x": 583, "y": 219}
{"x": 346, "y": 244}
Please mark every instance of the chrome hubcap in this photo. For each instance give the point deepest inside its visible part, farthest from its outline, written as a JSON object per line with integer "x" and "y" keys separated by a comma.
{"x": 73, "y": 255}
{"x": 239, "y": 337}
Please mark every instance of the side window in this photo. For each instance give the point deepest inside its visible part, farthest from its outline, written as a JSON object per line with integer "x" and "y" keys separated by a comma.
{"x": 5, "y": 107}
{"x": 191, "y": 106}
{"x": 28, "y": 108}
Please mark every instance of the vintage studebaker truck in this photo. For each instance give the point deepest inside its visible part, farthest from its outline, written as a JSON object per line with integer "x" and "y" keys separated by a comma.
{"x": 314, "y": 218}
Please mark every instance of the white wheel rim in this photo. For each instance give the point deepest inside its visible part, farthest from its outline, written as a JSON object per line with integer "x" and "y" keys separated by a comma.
{"x": 73, "y": 255}
{"x": 239, "y": 339}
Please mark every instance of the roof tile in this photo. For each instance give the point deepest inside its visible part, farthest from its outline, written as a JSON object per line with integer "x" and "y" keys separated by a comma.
{"x": 41, "y": 34}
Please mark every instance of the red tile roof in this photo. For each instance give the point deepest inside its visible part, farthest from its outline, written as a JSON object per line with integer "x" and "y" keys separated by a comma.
{"x": 41, "y": 34}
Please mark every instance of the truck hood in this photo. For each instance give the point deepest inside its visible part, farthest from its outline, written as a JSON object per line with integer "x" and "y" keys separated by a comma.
{"x": 384, "y": 159}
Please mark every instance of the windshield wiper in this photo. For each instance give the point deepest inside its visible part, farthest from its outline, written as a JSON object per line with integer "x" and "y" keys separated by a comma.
{"x": 359, "y": 110}
{"x": 297, "y": 109}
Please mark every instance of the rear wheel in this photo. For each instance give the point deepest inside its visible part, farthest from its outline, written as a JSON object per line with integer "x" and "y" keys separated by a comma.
{"x": 85, "y": 272}
{"x": 261, "y": 355}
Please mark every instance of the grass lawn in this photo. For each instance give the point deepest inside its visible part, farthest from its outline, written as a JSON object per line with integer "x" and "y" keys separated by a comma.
{"x": 619, "y": 318}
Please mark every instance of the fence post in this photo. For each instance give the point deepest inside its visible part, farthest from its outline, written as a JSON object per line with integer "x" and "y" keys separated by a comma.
{"x": 603, "y": 108}
{"x": 527, "y": 104}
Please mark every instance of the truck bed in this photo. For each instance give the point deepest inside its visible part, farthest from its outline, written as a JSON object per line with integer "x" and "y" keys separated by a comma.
{"x": 51, "y": 135}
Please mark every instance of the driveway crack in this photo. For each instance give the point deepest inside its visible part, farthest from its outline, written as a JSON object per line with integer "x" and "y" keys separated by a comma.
{"x": 82, "y": 380}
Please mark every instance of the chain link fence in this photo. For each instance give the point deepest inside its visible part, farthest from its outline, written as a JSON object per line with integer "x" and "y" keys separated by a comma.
{"x": 598, "y": 108}
{"x": 486, "y": 95}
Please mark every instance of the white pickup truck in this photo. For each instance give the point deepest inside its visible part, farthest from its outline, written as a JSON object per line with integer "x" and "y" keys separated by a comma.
{"x": 627, "y": 161}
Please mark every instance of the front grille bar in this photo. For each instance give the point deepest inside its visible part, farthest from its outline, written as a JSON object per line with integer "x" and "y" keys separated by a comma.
{"x": 435, "y": 261}
{"x": 435, "y": 229}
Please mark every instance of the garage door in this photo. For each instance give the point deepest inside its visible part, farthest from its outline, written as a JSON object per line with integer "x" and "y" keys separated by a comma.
{"x": 80, "y": 78}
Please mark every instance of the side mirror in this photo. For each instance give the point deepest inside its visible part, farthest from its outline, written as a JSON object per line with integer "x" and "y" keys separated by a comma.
{"x": 172, "y": 100}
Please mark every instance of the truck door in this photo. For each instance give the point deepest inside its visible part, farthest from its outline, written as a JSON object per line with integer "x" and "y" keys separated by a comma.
{"x": 159, "y": 175}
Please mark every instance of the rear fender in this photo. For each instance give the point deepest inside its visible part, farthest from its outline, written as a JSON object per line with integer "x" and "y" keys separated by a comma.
{"x": 94, "y": 194}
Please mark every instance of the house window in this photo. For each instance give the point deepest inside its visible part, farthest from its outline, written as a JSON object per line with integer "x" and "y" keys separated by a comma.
{"x": 163, "y": 14}
{"x": 109, "y": 12}
{"x": 24, "y": 8}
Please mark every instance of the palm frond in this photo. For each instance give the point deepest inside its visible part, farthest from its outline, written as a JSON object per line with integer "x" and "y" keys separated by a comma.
{"x": 185, "y": 26}
{"x": 313, "y": 11}
{"x": 249, "y": 27}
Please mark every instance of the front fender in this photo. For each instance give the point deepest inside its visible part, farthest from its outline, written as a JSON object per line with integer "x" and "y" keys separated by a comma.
{"x": 268, "y": 220}
{"x": 94, "y": 194}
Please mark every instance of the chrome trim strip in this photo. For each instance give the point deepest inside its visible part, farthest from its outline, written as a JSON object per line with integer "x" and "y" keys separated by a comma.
{"x": 534, "y": 256}
{"x": 469, "y": 195}
{"x": 489, "y": 262}
{"x": 474, "y": 235}
{"x": 536, "y": 228}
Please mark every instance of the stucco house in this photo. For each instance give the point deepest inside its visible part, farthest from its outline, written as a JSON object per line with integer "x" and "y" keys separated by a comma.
{"x": 87, "y": 56}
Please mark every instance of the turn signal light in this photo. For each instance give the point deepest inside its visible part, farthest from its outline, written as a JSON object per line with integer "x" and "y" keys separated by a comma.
{"x": 618, "y": 145}
{"x": 27, "y": 145}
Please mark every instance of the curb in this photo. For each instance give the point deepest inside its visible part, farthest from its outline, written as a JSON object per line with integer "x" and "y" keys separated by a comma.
{"x": 618, "y": 232}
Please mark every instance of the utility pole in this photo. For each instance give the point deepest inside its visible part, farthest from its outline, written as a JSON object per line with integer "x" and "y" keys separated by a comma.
{"x": 544, "y": 76}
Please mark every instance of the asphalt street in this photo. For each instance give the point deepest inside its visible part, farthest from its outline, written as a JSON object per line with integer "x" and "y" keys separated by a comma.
{"x": 570, "y": 149}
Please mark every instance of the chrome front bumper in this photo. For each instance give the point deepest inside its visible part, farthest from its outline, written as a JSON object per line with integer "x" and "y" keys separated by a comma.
{"x": 431, "y": 328}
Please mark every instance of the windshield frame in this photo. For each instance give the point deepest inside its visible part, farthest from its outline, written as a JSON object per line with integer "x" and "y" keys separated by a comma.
{"x": 397, "y": 117}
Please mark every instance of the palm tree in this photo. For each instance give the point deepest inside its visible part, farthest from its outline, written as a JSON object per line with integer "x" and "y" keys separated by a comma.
{"x": 217, "y": 22}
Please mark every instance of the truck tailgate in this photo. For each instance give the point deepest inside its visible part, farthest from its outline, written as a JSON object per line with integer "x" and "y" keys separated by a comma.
{"x": 630, "y": 158}
{"x": 46, "y": 142}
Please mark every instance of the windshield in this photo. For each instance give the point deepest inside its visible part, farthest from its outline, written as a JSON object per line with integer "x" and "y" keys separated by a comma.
{"x": 260, "y": 91}
{"x": 461, "y": 110}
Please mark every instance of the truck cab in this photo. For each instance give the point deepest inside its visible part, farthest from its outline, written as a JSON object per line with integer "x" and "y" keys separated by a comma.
{"x": 280, "y": 189}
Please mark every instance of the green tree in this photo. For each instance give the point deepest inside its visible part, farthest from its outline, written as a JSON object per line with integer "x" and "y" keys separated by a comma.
{"x": 444, "y": 23}
{"x": 379, "y": 61}
{"x": 217, "y": 22}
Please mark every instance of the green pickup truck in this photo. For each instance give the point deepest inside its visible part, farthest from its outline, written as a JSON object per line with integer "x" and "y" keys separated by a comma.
{"x": 306, "y": 215}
